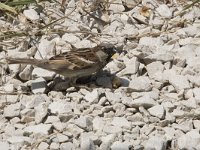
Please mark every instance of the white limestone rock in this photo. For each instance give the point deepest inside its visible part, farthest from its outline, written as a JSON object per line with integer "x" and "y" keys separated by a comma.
{"x": 189, "y": 140}
{"x": 54, "y": 146}
{"x": 84, "y": 122}
{"x": 12, "y": 110}
{"x": 144, "y": 101}
{"x": 24, "y": 140}
{"x": 110, "y": 129}
{"x": 43, "y": 145}
{"x": 164, "y": 11}
{"x": 40, "y": 128}
{"x": 39, "y": 85}
{"x": 113, "y": 97}
{"x": 92, "y": 97}
{"x": 87, "y": 144}
{"x": 132, "y": 66}
{"x": 39, "y": 72}
{"x": 154, "y": 69}
{"x": 117, "y": 6}
{"x": 46, "y": 49}
{"x": 120, "y": 145}
{"x": 121, "y": 122}
{"x": 67, "y": 145}
{"x": 151, "y": 42}
{"x": 107, "y": 141}
{"x": 179, "y": 82}
{"x": 9, "y": 88}
{"x": 157, "y": 111}
{"x": 71, "y": 38}
{"x": 60, "y": 107}
{"x": 40, "y": 112}
{"x": 4, "y": 145}
{"x": 140, "y": 84}
{"x": 26, "y": 73}
{"x": 31, "y": 14}
{"x": 98, "y": 123}
{"x": 156, "y": 142}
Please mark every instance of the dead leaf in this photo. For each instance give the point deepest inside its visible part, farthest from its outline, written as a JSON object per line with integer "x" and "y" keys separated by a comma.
{"x": 145, "y": 11}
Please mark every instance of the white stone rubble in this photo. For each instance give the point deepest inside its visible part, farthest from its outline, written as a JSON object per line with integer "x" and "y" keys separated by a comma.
{"x": 145, "y": 98}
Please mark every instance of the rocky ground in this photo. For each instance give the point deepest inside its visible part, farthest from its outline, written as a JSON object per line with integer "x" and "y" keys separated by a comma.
{"x": 147, "y": 98}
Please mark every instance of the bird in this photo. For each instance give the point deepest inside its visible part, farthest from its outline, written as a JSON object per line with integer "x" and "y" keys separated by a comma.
{"x": 74, "y": 64}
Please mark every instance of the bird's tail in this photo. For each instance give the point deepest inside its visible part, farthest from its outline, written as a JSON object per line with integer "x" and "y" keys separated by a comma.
{"x": 19, "y": 61}
{"x": 22, "y": 61}
{"x": 43, "y": 63}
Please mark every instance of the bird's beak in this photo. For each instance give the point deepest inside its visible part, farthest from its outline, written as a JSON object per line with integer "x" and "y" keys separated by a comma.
{"x": 115, "y": 56}
{"x": 117, "y": 53}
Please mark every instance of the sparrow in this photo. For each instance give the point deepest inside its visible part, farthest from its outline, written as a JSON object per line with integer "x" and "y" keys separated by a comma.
{"x": 73, "y": 64}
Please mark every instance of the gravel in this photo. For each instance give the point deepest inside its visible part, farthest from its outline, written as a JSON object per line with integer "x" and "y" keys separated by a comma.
{"x": 39, "y": 85}
{"x": 12, "y": 110}
{"x": 146, "y": 98}
{"x": 40, "y": 128}
{"x": 31, "y": 14}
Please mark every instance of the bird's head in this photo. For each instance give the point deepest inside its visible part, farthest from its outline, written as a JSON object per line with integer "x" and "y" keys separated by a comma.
{"x": 110, "y": 52}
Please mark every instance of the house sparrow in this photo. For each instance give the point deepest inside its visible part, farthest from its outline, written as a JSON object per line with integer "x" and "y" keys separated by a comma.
{"x": 74, "y": 64}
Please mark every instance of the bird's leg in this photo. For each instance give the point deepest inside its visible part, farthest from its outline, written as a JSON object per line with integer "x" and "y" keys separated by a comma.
{"x": 72, "y": 82}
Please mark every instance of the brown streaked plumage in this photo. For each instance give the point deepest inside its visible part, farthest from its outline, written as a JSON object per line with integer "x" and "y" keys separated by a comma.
{"x": 74, "y": 64}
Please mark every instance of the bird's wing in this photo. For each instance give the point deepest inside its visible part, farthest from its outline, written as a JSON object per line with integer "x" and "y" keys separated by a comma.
{"x": 76, "y": 60}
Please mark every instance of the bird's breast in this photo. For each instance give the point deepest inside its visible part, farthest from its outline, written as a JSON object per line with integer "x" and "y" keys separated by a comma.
{"x": 80, "y": 73}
